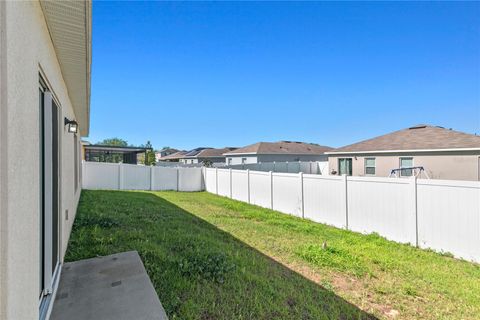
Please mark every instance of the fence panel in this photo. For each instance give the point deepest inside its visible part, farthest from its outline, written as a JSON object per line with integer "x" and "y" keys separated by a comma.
{"x": 260, "y": 186}
{"x": 449, "y": 217}
{"x": 322, "y": 168}
{"x": 240, "y": 185}
{"x": 324, "y": 199}
{"x": 224, "y": 182}
{"x": 98, "y": 175}
{"x": 210, "y": 180}
{"x": 279, "y": 166}
{"x": 190, "y": 179}
{"x": 382, "y": 205}
{"x": 164, "y": 178}
{"x": 136, "y": 177}
{"x": 307, "y": 167}
{"x": 287, "y": 193}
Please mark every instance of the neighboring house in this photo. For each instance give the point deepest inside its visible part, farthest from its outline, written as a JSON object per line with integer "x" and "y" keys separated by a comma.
{"x": 159, "y": 154}
{"x": 113, "y": 154}
{"x": 200, "y": 155}
{"x": 281, "y": 151}
{"x": 443, "y": 153}
{"x": 188, "y": 158}
{"x": 174, "y": 157}
{"x": 45, "y": 58}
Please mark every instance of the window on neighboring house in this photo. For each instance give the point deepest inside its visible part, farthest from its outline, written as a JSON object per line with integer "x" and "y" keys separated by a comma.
{"x": 244, "y": 160}
{"x": 370, "y": 166}
{"x": 229, "y": 161}
{"x": 406, "y": 163}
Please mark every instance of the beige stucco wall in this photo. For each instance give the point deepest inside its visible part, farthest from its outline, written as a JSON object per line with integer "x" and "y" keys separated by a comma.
{"x": 26, "y": 50}
{"x": 438, "y": 165}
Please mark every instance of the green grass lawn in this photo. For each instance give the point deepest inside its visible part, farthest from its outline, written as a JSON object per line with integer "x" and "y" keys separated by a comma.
{"x": 214, "y": 258}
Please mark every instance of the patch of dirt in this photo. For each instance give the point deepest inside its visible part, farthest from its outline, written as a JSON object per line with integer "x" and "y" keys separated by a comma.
{"x": 345, "y": 287}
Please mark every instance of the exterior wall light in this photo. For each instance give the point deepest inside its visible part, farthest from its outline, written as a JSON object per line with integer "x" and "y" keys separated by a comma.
{"x": 72, "y": 125}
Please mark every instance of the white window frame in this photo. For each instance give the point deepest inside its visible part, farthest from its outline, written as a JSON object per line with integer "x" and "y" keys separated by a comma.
{"x": 400, "y": 166}
{"x": 244, "y": 160}
{"x": 374, "y": 166}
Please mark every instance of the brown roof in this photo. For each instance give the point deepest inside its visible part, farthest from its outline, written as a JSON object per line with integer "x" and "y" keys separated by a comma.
{"x": 420, "y": 137}
{"x": 174, "y": 156}
{"x": 282, "y": 147}
{"x": 213, "y": 153}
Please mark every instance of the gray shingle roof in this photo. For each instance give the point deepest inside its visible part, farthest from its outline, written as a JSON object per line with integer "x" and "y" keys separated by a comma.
{"x": 419, "y": 137}
{"x": 282, "y": 147}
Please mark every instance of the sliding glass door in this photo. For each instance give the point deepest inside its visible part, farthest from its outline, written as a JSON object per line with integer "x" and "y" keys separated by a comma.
{"x": 49, "y": 190}
{"x": 345, "y": 166}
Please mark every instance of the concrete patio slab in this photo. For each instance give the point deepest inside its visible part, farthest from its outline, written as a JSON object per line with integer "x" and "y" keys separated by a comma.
{"x": 112, "y": 287}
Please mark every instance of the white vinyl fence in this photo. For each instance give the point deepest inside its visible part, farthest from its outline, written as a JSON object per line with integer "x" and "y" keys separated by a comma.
{"x": 442, "y": 215}
{"x": 438, "y": 214}
{"x": 310, "y": 167}
{"x": 116, "y": 176}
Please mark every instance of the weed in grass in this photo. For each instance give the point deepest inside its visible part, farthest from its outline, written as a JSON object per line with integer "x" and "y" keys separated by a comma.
{"x": 91, "y": 220}
{"x": 332, "y": 257}
{"x": 411, "y": 291}
{"x": 208, "y": 266}
{"x": 326, "y": 284}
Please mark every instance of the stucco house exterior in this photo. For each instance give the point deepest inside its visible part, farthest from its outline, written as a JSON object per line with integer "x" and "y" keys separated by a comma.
{"x": 281, "y": 151}
{"x": 45, "y": 58}
{"x": 443, "y": 153}
{"x": 199, "y": 155}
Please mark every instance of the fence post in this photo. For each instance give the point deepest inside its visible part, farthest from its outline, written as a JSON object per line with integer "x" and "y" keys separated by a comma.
{"x": 178, "y": 179}
{"x": 216, "y": 181}
{"x": 151, "y": 177}
{"x": 230, "y": 173}
{"x": 204, "y": 176}
{"x": 345, "y": 186}
{"x": 301, "y": 193}
{"x": 83, "y": 173}
{"x": 248, "y": 185}
{"x": 120, "y": 176}
{"x": 271, "y": 189}
{"x": 415, "y": 208}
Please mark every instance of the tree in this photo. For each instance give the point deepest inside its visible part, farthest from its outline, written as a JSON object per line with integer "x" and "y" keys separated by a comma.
{"x": 207, "y": 163}
{"x": 114, "y": 142}
{"x": 112, "y": 157}
{"x": 149, "y": 160}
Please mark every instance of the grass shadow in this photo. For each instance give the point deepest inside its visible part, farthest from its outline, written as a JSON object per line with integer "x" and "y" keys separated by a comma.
{"x": 198, "y": 270}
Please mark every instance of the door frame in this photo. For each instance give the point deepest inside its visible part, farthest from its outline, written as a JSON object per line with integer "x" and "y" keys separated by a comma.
{"x": 350, "y": 169}
{"x": 49, "y": 273}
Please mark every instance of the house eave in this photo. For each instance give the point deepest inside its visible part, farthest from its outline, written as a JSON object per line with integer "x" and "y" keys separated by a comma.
{"x": 69, "y": 26}
{"x": 402, "y": 151}
{"x": 273, "y": 154}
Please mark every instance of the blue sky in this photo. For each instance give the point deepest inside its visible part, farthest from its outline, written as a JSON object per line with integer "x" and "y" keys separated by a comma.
{"x": 231, "y": 74}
